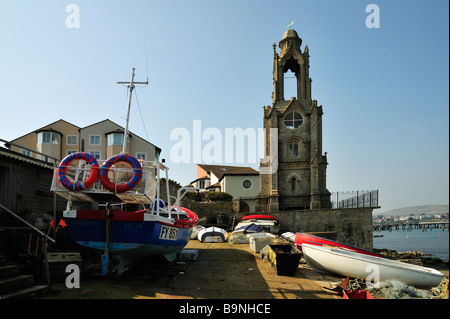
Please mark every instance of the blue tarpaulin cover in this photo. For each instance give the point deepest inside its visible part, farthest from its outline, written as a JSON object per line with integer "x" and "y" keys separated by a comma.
{"x": 252, "y": 228}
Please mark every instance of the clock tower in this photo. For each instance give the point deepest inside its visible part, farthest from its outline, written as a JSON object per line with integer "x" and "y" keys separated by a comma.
{"x": 293, "y": 173}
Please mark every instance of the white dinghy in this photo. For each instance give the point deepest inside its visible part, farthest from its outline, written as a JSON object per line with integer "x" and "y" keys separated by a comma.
{"x": 356, "y": 265}
{"x": 212, "y": 235}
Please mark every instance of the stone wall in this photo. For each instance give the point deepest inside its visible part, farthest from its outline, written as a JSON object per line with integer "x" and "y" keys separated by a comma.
{"x": 353, "y": 226}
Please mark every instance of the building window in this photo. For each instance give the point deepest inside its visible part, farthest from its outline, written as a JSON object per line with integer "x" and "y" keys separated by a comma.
{"x": 293, "y": 184}
{"x": 72, "y": 140}
{"x": 141, "y": 156}
{"x": 68, "y": 152}
{"x": 115, "y": 139}
{"x": 293, "y": 148}
{"x": 94, "y": 140}
{"x": 26, "y": 152}
{"x": 247, "y": 184}
{"x": 293, "y": 120}
{"x": 96, "y": 154}
{"x": 48, "y": 138}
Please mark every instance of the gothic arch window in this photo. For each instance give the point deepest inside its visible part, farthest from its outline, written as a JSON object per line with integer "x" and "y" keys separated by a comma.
{"x": 293, "y": 120}
{"x": 293, "y": 148}
{"x": 293, "y": 184}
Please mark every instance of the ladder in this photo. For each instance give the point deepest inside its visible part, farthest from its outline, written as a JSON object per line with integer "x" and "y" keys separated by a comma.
{"x": 231, "y": 222}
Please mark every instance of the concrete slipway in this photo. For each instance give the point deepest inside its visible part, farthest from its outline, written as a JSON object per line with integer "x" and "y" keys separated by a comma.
{"x": 222, "y": 271}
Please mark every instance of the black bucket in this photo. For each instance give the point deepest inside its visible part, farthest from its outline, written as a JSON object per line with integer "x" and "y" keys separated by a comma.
{"x": 284, "y": 258}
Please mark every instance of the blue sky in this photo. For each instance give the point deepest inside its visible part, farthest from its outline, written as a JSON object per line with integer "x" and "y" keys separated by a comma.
{"x": 384, "y": 91}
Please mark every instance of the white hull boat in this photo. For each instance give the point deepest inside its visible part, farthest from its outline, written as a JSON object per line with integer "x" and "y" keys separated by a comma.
{"x": 196, "y": 230}
{"x": 356, "y": 265}
{"x": 212, "y": 235}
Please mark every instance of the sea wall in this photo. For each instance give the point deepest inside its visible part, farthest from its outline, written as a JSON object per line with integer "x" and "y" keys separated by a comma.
{"x": 352, "y": 226}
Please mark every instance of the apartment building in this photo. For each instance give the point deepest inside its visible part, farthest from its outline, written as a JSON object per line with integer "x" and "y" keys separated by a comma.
{"x": 55, "y": 140}
{"x": 61, "y": 138}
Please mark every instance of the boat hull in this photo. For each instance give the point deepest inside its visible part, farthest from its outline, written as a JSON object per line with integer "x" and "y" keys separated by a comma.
{"x": 212, "y": 235}
{"x": 132, "y": 235}
{"x": 302, "y": 238}
{"x": 356, "y": 265}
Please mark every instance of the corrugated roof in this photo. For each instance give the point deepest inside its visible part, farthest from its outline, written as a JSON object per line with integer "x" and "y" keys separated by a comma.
{"x": 20, "y": 157}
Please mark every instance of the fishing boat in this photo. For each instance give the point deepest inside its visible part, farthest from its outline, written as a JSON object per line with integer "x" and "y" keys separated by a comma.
{"x": 212, "y": 235}
{"x": 303, "y": 238}
{"x": 161, "y": 227}
{"x": 358, "y": 265}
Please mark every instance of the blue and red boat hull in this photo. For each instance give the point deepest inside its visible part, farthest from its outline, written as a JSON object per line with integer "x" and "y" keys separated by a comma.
{"x": 131, "y": 235}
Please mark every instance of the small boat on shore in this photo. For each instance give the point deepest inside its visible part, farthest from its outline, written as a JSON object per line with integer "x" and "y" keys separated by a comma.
{"x": 259, "y": 217}
{"x": 268, "y": 223}
{"x": 303, "y": 238}
{"x": 212, "y": 235}
{"x": 240, "y": 234}
{"x": 196, "y": 230}
{"x": 289, "y": 236}
{"x": 358, "y": 265}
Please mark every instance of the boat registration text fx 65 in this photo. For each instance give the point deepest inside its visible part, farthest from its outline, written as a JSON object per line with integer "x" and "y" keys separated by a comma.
{"x": 169, "y": 233}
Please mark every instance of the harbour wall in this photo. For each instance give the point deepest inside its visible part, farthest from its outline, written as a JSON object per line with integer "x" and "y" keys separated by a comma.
{"x": 352, "y": 226}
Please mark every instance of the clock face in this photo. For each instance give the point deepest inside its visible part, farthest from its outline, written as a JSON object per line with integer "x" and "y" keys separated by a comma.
{"x": 293, "y": 120}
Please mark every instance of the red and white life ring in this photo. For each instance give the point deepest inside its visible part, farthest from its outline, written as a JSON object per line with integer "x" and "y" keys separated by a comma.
{"x": 62, "y": 170}
{"x": 124, "y": 187}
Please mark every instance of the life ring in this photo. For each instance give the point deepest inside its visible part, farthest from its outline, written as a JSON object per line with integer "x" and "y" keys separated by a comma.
{"x": 121, "y": 188}
{"x": 62, "y": 170}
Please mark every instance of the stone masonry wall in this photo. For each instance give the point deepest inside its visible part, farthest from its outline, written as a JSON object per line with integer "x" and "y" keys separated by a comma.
{"x": 353, "y": 226}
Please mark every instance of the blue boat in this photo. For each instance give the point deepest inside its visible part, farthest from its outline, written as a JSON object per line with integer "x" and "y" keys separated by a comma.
{"x": 162, "y": 227}
{"x": 122, "y": 235}
{"x": 125, "y": 236}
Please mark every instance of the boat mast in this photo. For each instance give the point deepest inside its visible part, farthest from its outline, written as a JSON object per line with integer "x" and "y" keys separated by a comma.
{"x": 131, "y": 87}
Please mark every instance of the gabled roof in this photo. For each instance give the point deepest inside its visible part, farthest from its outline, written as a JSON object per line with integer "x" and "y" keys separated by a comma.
{"x": 46, "y": 128}
{"x": 206, "y": 177}
{"x": 216, "y": 185}
{"x": 220, "y": 170}
{"x": 121, "y": 129}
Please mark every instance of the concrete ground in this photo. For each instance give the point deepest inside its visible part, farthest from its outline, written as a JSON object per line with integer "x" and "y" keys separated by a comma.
{"x": 222, "y": 271}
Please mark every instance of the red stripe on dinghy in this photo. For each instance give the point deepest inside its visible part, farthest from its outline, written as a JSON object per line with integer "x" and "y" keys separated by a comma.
{"x": 259, "y": 217}
{"x": 301, "y": 238}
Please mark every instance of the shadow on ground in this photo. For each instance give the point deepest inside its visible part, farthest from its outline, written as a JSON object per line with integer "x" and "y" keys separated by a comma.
{"x": 222, "y": 271}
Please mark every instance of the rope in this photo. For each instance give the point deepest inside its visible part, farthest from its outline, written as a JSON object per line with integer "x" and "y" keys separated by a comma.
{"x": 140, "y": 112}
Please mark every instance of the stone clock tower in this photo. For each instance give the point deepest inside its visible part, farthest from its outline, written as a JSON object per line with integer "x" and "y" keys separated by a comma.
{"x": 293, "y": 176}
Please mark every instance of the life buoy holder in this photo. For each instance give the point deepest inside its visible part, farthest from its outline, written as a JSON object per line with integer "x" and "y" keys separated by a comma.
{"x": 62, "y": 170}
{"x": 124, "y": 187}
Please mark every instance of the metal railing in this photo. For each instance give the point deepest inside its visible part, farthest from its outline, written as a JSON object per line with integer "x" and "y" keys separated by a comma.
{"x": 352, "y": 199}
{"x": 44, "y": 237}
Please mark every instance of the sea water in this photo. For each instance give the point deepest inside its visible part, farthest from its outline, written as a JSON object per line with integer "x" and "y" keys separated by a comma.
{"x": 431, "y": 241}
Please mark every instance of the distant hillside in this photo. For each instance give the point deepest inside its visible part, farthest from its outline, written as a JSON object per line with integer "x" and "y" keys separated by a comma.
{"x": 418, "y": 210}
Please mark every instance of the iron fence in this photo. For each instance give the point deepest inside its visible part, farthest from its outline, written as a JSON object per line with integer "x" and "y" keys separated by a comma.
{"x": 352, "y": 199}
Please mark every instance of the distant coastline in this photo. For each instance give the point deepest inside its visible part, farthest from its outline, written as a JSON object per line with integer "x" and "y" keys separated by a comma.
{"x": 416, "y": 210}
